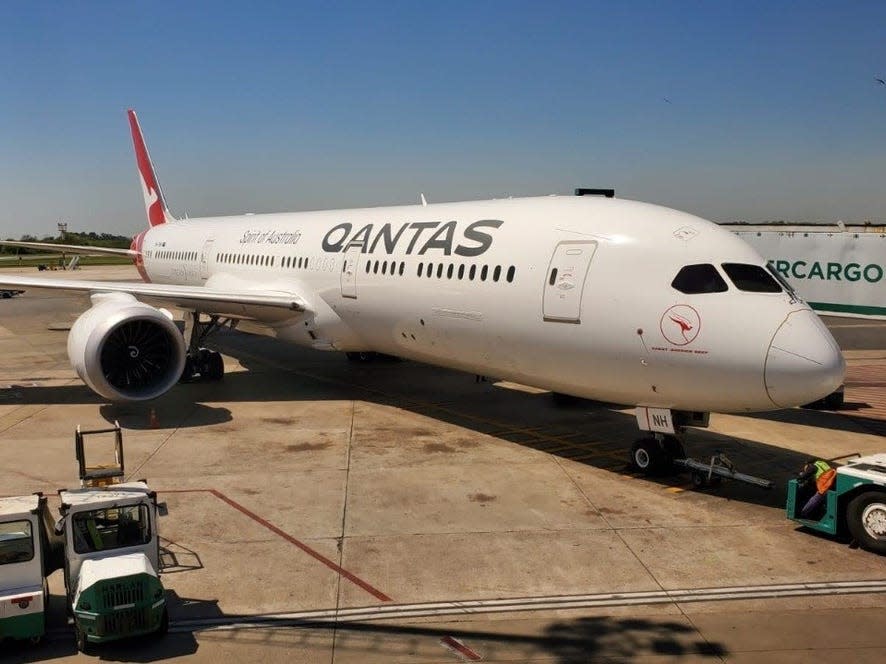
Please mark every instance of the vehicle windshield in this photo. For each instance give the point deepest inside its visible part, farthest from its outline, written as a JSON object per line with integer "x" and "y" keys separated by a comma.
{"x": 16, "y": 542}
{"x": 111, "y": 528}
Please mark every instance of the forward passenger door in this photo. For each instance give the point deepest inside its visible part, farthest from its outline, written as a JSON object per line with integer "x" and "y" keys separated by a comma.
{"x": 349, "y": 272}
{"x": 565, "y": 281}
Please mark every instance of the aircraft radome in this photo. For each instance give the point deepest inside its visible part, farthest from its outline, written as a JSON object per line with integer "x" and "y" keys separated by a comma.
{"x": 585, "y": 295}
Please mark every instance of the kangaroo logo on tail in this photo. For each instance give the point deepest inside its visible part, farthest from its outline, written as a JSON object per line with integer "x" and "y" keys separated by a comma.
{"x": 155, "y": 204}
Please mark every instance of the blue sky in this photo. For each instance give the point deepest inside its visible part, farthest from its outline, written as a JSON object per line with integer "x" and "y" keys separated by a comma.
{"x": 772, "y": 113}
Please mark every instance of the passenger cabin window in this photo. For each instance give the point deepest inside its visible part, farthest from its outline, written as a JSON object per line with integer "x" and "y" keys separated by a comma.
{"x": 751, "y": 278}
{"x": 698, "y": 279}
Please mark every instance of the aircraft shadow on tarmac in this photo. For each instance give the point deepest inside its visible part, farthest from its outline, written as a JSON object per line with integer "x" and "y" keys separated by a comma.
{"x": 588, "y": 432}
{"x": 566, "y": 641}
{"x": 570, "y": 641}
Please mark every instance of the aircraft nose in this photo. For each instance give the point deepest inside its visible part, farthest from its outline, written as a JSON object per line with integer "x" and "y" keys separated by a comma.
{"x": 803, "y": 363}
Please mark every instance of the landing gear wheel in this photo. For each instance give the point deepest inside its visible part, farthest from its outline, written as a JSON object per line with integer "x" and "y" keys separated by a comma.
{"x": 699, "y": 479}
{"x": 205, "y": 364}
{"x": 188, "y": 372}
{"x": 647, "y": 456}
{"x": 671, "y": 448}
{"x": 866, "y": 518}
{"x": 702, "y": 480}
{"x": 215, "y": 367}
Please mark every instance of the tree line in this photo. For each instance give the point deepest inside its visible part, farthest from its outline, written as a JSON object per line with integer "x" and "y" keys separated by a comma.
{"x": 85, "y": 239}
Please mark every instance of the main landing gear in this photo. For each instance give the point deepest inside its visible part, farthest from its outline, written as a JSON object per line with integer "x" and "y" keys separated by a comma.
{"x": 202, "y": 363}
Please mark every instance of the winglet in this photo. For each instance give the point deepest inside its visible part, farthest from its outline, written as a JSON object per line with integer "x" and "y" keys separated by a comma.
{"x": 155, "y": 203}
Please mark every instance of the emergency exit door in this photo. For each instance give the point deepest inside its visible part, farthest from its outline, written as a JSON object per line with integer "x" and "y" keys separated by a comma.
{"x": 349, "y": 272}
{"x": 565, "y": 281}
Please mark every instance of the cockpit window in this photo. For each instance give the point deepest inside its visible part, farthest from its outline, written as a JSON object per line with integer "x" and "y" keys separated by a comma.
{"x": 696, "y": 279}
{"x": 751, "y": 278}
{"x": 784, "y": 284}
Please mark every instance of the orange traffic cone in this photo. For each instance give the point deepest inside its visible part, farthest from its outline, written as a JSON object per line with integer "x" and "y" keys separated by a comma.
{"x": 153, "y": 420}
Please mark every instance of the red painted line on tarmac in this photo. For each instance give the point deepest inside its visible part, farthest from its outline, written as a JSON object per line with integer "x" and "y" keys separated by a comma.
{"x": 460, "y": 648}
{"x": 316, "y": 555}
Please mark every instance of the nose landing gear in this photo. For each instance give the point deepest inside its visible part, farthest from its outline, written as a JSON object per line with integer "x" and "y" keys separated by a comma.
{"x": 661, "y": 452}
{"x": 656, "y": 454}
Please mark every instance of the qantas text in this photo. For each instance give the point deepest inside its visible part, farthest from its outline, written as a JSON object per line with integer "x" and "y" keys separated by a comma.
{"x": 417, "y": 237}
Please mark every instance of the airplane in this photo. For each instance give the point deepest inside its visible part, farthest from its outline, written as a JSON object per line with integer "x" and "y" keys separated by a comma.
{"x": 588, "y": 295}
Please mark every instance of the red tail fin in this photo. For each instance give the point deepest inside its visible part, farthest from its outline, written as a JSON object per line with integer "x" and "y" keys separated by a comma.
{"x": 155, "y": 204}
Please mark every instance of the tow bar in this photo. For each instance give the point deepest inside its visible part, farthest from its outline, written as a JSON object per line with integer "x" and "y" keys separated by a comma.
{"x": 720, "y": 467}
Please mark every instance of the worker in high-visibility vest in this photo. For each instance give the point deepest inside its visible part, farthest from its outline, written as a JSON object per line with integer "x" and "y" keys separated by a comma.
{"x": 823, "y": 476}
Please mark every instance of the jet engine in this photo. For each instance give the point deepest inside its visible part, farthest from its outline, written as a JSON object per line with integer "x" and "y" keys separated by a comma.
{"x": 126, "y": 350}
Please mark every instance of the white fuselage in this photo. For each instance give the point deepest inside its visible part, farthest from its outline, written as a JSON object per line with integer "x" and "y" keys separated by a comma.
{"x": 607, "y": 325}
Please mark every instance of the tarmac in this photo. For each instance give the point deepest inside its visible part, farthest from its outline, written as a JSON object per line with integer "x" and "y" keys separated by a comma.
{"x": 325, "y": 511}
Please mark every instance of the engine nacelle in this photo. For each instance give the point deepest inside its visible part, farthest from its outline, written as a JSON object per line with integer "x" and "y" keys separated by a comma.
{"x": 126, "y": 350}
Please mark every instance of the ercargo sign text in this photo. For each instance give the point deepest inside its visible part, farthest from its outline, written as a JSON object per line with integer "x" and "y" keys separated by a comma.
{"x": 872, "y": 272}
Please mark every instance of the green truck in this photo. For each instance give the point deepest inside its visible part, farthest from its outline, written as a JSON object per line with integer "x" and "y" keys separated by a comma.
{"x": 854, "y": 505}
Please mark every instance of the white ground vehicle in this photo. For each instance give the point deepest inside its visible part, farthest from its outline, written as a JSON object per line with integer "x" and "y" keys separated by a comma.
{"x": 112, "y": 553}
{"x": 28, "y": 553}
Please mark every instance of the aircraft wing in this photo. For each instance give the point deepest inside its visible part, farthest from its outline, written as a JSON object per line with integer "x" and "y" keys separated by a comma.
{"x": 258, "y": 304}
{"x": 70, "y": 248}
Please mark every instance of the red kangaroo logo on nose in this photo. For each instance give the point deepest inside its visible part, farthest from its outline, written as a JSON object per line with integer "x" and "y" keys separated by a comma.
{"x": 688, "y": 324}
{"x": 684, "y": 324}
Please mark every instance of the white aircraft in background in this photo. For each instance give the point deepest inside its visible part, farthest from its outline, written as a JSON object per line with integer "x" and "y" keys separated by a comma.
{"x": 585, "y": 295}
